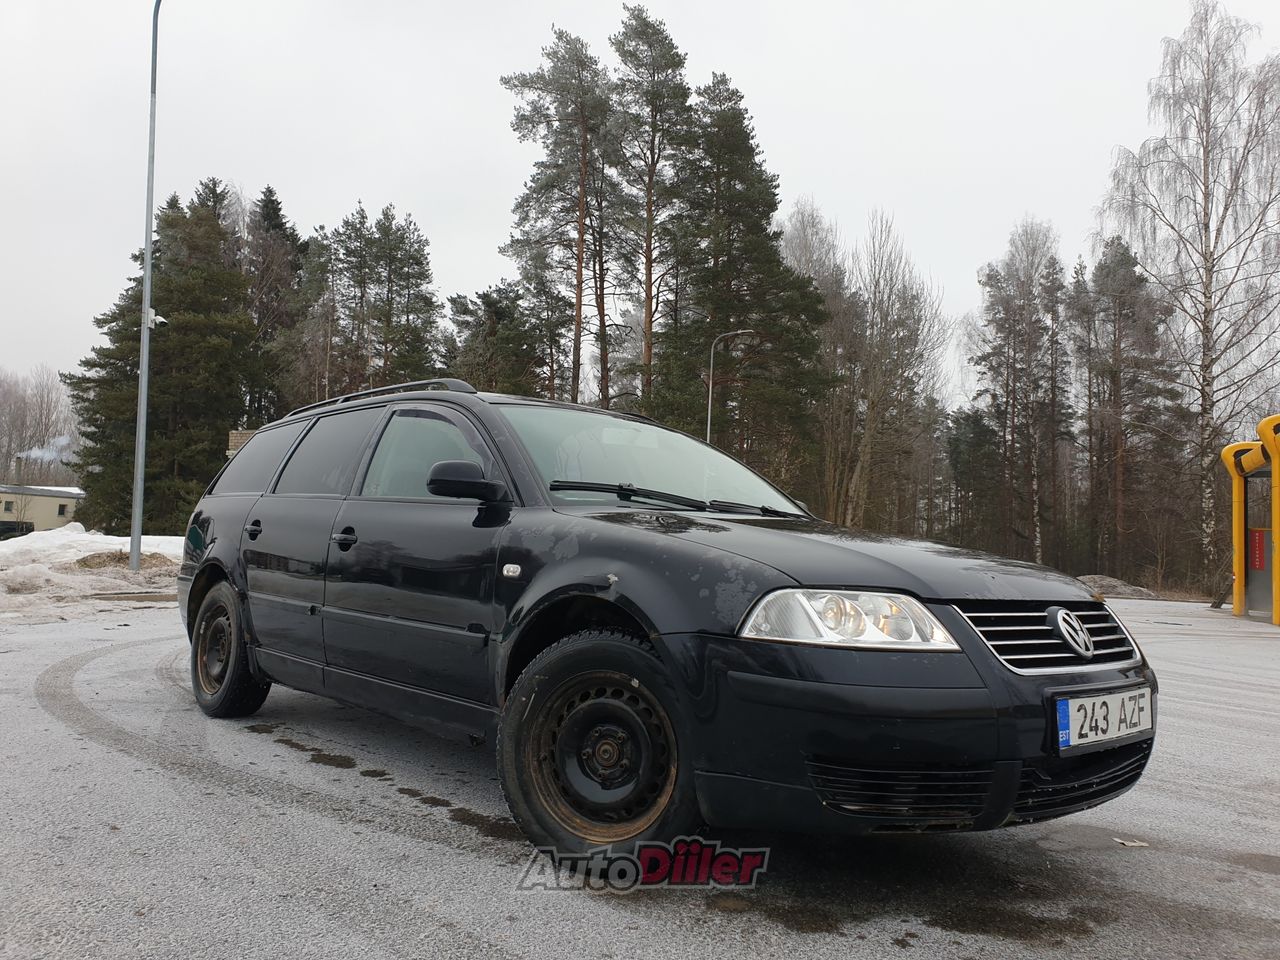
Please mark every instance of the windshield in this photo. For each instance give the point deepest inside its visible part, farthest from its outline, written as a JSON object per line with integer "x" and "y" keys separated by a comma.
{"x": 597, "y": 448}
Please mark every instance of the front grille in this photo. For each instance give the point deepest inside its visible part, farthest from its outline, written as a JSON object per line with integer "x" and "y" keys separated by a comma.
{"x": 1019, "y": 633}
{"x": 1062, "y": 785}
{"x": 935, "y": 794}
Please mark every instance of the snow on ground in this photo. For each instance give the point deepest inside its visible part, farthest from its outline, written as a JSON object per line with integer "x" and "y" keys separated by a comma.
{"x": 1110, "y": 588}
{"x": 71, "y": 542}
{"x": 56, "y": 574}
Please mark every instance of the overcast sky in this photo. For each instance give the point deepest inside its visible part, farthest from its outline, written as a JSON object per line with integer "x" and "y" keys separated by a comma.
{"x": 959, "y": 118}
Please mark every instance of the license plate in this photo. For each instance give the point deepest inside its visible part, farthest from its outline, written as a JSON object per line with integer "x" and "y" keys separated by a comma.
{"x": 1083, "y": 721}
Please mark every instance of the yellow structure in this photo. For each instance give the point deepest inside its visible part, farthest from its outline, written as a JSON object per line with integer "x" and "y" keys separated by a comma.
{"x": 1255, "y": 460}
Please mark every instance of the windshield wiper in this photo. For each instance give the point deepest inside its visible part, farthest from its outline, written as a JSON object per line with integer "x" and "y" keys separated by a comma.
{"x": 730, "y": 506}
{"x": 627, "y": 491}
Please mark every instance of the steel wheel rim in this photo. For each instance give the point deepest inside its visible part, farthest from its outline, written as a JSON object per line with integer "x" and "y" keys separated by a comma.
{"x": 603, "y": 757}
{"x": 213, "y": 649}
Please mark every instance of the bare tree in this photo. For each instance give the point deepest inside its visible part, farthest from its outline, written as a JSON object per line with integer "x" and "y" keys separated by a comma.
{"x": 883, "y": 348}
{"x": 813, "y": 247}
{"x": 38, "y": 431}
{"x": 902, "y": 347}
{"x": 1200, "y": 206}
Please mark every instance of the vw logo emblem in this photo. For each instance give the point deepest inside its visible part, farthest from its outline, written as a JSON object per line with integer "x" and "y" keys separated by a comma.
{"x": 1074, "y": 633}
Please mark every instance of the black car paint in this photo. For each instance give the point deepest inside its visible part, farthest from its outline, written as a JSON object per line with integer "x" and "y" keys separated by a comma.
{"x": 419, "y": 619}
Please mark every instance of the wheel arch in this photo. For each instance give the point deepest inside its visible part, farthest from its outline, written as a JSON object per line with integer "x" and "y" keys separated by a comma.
{"x": 559, "y": 616}
{"x": 212, "y": 573}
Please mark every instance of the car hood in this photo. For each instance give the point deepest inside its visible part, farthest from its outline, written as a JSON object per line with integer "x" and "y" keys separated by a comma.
{"x": 816, "y": 553}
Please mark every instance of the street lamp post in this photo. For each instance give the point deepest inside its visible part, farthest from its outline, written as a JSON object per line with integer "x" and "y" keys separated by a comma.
{"x": 711, "y": 372}
{"x": 144, "y": 352}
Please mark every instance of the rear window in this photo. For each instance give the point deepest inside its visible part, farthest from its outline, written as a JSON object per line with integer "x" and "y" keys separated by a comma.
{"x": 326, "y": 459}
{"x": 254, "y": 464}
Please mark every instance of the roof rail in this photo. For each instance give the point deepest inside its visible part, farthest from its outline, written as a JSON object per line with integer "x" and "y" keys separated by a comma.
{"x": 447, "y": 383}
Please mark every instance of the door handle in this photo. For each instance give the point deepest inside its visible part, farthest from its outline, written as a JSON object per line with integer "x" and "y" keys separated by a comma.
{"x": 345, "y": 539}
{"x": 253, "y": 529}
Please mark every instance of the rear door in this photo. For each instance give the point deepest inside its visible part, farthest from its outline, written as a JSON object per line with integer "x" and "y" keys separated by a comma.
{"x": 410, "y": 584}
{"x": 286, "y": 540}
{"x": 218, "y": 523}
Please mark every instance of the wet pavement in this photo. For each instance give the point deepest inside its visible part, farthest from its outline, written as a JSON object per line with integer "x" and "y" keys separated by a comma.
{"x": 134, "y": 826}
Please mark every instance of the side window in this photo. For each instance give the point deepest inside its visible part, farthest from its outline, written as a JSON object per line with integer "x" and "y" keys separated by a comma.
{"x": 253, "y": 465}
{"x": 325, "y": 461}
{"x": 413, "y": 442}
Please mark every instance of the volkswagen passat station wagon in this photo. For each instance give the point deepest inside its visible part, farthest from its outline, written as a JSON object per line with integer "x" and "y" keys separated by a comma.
{"x": 650, "y": 636}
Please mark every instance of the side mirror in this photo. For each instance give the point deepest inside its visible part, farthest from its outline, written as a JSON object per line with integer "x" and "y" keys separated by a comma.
{"x": 464, "y": 478}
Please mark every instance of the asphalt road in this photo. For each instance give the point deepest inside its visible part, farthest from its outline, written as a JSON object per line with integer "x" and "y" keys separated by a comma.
{"x": 136, "y": 827}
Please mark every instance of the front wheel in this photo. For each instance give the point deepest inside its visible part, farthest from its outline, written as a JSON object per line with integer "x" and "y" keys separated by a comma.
{"x": 220, "y": 676}
{"x": 589, "y": 752}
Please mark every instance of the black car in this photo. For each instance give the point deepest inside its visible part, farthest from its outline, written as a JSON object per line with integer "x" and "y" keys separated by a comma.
{"x": 650, "y": 634}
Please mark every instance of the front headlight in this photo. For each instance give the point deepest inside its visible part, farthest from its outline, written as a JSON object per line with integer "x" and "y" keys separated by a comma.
{"x": 847, "y": 618}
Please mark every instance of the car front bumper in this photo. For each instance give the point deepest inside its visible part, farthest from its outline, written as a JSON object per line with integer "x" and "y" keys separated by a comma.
{"x": 827, "y": 740}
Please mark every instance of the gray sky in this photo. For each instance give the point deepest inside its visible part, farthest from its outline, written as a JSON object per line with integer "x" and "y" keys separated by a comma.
{"x": 958, "y": 118}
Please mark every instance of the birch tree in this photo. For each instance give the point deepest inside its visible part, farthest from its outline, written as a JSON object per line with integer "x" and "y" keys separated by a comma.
{"x": 1199, "y": 203}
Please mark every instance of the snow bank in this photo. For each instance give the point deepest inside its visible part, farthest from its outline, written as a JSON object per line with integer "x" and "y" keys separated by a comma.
{"x": 72, "y": 542}
{"x": 58, "y": 574}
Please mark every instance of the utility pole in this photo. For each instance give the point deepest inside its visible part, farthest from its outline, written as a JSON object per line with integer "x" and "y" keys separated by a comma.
{"x": 144, "y": 353}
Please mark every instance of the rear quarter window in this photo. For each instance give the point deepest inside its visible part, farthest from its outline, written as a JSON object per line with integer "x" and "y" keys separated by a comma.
{"x": 254, "y": 464}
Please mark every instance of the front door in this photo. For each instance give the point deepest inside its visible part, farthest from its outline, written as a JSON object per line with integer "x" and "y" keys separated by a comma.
{"x": 410, "y": 576}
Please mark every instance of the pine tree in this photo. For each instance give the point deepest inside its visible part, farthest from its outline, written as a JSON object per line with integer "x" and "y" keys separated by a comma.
{"x": 1080, "y": 313}
{"x": 498, "y": 348}
{"x": 975, "y": 458}
{"x": 608, "y": 207}
{"x": 551, "y": 315}
{"x": 735, "y": 277}
{"x": 385, "y": 314}
{"x": 1131, "y": 380}
{"x": 272, "y": 260}
{"x": 406, "y": 311}
{"x": 302, "y": 355}
{"x": 1018, "y": 365}
{"x": 562, "y": 106}
{"x": 653, "y": 126}
{"x": 353, "y": 275}
{"x": 196, "y": 392}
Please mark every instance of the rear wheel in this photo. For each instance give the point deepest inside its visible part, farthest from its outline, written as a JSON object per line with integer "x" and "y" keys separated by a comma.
{"x": 220, "y": 676}
{"x": 588, "y": 749}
